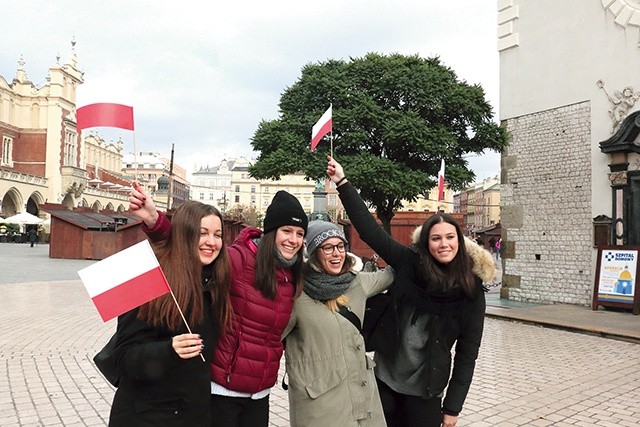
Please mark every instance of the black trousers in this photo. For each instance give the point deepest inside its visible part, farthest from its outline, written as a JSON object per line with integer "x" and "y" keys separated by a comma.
{"x": 239, "y": 411}
{"x": 402, "y": 410}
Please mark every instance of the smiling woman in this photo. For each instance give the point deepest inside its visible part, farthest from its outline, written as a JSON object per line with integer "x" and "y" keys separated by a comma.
{"x": 330, "y": 375}
{"x": 161, "y": 347}
{"x": 437, "y": 301}
{"x": 265, "y": 277}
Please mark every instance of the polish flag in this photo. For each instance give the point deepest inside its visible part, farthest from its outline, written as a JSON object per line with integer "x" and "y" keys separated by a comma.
{"x": 106, "y": 115}
{"x": 321, "y": 128}
{"x": 441, "y": 182}
{"x": 125, "y": 280}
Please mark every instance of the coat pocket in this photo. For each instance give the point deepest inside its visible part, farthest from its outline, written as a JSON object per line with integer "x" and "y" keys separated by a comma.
{"x": 325, "y": 382}
{"x": 161, "y": 407}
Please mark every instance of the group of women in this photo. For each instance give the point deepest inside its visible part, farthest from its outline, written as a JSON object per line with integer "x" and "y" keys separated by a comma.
{"x": 248, "y": 301}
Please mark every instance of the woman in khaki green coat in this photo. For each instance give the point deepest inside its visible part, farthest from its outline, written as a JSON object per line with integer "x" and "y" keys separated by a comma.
{"x": 331, "y": 380}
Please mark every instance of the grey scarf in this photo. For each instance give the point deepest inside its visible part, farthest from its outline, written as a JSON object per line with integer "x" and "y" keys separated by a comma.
{"x": 324, "y": 287}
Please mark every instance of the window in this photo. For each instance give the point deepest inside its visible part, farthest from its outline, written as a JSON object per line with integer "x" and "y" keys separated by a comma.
{"x": 253, "y": 188}
{"x": 70, "y": 148}
{"x": 211, "y": 196}
{"x": 201, "y": 196}
{"x": 237, "y": 188}
{"x": 237, "y": 199}
{"x": 253, "y": 199}
{"x": 266, "y": 189}
{"x": 7, "y": 151}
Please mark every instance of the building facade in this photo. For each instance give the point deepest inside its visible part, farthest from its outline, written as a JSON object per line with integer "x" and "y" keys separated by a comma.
{"x": 229, "y": 187}
{"x": 568, "y": 87}
{"x": 153, "y": 173}
{"x": 42, "y": 157}
{"x": 430, "y": 203}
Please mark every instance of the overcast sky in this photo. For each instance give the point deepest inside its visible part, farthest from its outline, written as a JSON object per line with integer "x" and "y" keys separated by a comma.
{"x": 202, "y": 74}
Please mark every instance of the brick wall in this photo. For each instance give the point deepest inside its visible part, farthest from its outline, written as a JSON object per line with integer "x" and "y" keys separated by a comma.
{"x": 546, "y": 207}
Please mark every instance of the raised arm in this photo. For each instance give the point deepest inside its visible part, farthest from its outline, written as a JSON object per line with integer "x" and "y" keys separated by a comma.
{"x": 369, "y": 230}
{"x": 156, "y": 225}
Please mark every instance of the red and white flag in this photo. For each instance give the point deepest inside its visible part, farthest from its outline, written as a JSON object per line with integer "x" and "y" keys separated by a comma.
{"x": 105, "y": 114}
{"x": 321, "y": 128}
{"x": 441, "y": 182}
{"x": 125, "y": 280}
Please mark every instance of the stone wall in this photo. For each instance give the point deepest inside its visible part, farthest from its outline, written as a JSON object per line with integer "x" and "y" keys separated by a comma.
{"x": 546, "y": 207}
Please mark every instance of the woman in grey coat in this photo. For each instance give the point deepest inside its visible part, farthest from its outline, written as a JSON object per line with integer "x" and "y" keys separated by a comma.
{"x": 331, "y": 380}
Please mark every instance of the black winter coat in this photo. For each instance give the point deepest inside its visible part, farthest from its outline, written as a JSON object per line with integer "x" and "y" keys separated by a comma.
{"x": 157, "y": 387}
{"x": 455, "y": 319}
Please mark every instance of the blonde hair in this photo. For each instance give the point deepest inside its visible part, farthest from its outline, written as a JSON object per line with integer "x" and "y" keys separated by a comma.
{"x": 334, "y": 304}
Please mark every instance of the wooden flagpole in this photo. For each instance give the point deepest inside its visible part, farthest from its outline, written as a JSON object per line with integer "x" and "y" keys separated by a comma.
{"x": 182, "y": 315}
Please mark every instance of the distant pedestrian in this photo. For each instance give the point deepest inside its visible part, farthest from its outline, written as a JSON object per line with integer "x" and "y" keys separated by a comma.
{"x": 498, "y": 246}
{"x": 33, "y": 235}
{"x": 492, "y": 244}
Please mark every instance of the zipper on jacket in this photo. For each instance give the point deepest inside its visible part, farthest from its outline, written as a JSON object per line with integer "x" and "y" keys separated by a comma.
{"x": 234, "y": 358}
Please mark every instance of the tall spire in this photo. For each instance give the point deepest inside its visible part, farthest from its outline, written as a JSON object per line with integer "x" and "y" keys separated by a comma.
{"x": 21, "y": 74}
{"x": 73, "y": 59}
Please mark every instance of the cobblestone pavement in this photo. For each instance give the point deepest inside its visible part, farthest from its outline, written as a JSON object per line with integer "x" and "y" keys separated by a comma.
{"x": 526, "y": 375}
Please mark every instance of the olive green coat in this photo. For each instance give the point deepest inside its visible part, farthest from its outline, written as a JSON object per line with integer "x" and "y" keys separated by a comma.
{"x": 331, "y": 380}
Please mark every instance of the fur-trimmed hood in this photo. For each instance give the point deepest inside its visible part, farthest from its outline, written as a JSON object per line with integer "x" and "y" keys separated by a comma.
{"x": 483, "y": 264}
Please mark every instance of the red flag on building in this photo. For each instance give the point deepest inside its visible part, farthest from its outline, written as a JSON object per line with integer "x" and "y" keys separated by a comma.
{"x": 124, "y": 280}
{"x": 105, "y": 114}
{"x": 321, "y": 128}
{"x": 441, "y": 182}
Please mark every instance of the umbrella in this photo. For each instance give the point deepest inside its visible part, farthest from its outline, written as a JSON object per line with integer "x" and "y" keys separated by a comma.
{"x": 23, "y": 218}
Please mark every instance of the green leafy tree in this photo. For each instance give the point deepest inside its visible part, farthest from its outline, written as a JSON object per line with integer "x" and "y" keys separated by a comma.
{"x": 394, "y": 118}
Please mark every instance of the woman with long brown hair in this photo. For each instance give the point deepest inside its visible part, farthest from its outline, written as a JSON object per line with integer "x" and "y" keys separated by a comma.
{"x": 265, "y": 277}
{"x": 437, "y": 302}
{"x": 164, "y": 368}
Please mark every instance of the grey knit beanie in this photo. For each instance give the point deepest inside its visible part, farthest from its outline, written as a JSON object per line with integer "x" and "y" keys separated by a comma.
{"x": 318, "y": 232}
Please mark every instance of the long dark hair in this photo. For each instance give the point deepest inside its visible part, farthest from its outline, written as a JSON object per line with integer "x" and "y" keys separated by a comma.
{"x": 180, "y": 260}
{"x": 458, "y": 273}
{"x": 266, "y": 281}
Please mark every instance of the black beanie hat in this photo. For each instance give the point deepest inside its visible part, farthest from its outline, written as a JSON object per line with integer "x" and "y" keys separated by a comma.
{"x": 284, "y": 209}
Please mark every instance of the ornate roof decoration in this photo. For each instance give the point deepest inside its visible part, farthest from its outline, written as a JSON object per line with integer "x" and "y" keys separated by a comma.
{"x": 625, "y": 138}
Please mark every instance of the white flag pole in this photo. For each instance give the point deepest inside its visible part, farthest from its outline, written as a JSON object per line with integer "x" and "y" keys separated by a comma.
{"x": 331, "y": 137}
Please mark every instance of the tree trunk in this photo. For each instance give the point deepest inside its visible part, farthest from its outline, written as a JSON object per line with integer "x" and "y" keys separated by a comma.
{"x": 385, "y": 215}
